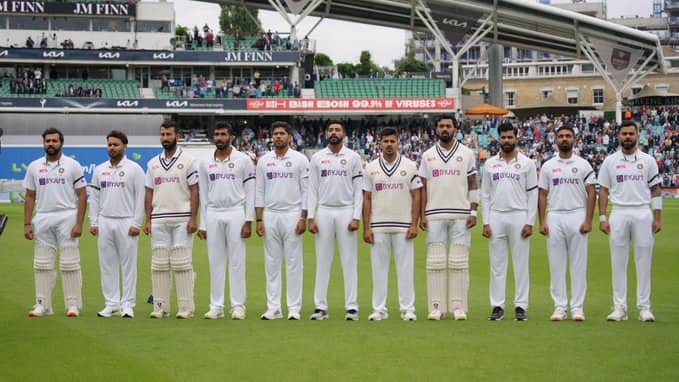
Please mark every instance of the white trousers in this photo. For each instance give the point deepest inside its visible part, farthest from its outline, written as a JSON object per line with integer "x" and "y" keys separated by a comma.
{"x": 632, "y": 225}
{"x": 170, "y": 234}
{"x": 53, "y": 229}
{"x": 281, "y": 242}
{"x": 224, "y": 244}
{"x": 404, "y": 253}
{"x": 506, "y": 227}
{"x": 452, "y": 231}
{"x": 117, "y": 250}
{"x": 332, "y": 226}
{"x": 564, "y": 243}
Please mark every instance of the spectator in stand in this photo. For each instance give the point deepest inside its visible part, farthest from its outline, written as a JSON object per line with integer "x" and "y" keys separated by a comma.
{"x": 164, "y": 83}
{"x": 43, "y": 43}
{"x": 29, "y": 42}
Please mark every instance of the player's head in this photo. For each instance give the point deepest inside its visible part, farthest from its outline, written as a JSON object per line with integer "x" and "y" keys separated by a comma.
{"x": 628, "y": 134}
{"x": 389, "y": 141}
{"x": 565, "y": 138}
{"x": 446, "y": 128}
{"x": 169, "y": 135}
{"x": 335, "y": 132}
{"x": 508, "y": 136}
{"x": 116, "y": 144}
{"x": 281, "y": 134}
{"x": 52, "y": 141}
{"x": 222, "y": 135}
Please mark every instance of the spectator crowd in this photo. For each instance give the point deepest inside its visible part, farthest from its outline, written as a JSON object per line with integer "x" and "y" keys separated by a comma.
{"x": 255, "y": 87}
{"x": 27, "y": 81}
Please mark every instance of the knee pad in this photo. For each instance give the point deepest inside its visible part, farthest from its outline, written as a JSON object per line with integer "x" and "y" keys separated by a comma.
{"x": 436, "y": 256}
{"x": 181, "y": 259}
{"x": 160, "y": 259}
{"x": 69, "y": 260}
{"x": 44, "y": 258}
{"x": 459, "y": 257}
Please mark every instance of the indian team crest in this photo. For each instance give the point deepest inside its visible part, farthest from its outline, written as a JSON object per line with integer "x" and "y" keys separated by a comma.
{"x": 640, "y": 166}
{"x": 288, "y": 164}
{"x": 517, "y": 166}
{"x": 121, "y": 174}
{"x": 180, "y": 166}
{"x": 343, "y": 162}
{"x": 458, "y": 158}
{"x": 574, "y": 170}
{"x": 231, "y": 165}
{"x": 403, "y": 173}
{"x": 61, "y": 170}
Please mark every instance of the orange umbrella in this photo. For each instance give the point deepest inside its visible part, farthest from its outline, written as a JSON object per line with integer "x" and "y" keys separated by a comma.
{"x": 486, "y": 109}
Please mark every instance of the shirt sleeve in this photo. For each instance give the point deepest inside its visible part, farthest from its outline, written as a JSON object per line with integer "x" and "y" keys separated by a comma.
{"x": 422, "y": 171}
{"x": 367, "y": 182}
{"x": 203, "y": 192}
{"x": 486, "y": 189}
{"x": 532, "y": 194}
{"x": 139, "y": 196}
{"x": 416, "y": 182}
{"x": 544, "y": 178}
{"x": 604, "y": 177}
{"x": 148, "y": 181}
{"x": 304, "y": 181}
{"x": 29, "y": 179}
{"x": 314, "y": 182}
{"x": 259, "y": 183}
{"x": 192, "y": 173}
{"x": 94, "y": 188}
{"x": 652, "y": 173}
{"x": 357, "y": 183}
{"x": 589, "y": 175}
{"x": 249, "y": 188}
{"x": 78, "y": 177}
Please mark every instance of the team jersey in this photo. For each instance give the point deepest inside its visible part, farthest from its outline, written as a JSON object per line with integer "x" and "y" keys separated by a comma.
{"x": 227, "y": 184}
{"x": 55, "y": 183}
{"x": 281, "y": 183}
{"x": 390, "y": 185}
{"x": 509, "y": 186}
{"x": 170, "y": 178}
{"x": 566, "y": 181}
{"x": 335, "y": 180}
{"x": 446, "y": 173}
{"x": 629, "y": 178}
{"x": 117, "y": 192}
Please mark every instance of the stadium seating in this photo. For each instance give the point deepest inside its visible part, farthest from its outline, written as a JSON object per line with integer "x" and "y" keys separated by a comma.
{"x": 110, "y": 88}
{"x": 381, "y": 88}
{"x": 210, "y": 93}
{"x": 246, "y": 44}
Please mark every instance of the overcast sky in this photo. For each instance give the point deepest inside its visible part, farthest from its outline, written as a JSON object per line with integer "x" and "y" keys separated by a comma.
{"x": 344, "y": 41}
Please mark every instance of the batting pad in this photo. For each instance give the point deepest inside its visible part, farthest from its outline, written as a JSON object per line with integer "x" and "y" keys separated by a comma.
{"x": 44, "y": 268}
{"x": 160, "y": 279}
{"x": 458, "y": 272}
{"x": 160, "y": 259}
{"x": 71, "y": 277}
{"x": 184, "y": 283}
{"x": 180, "y": 259}
{"x": 436, "y": 276}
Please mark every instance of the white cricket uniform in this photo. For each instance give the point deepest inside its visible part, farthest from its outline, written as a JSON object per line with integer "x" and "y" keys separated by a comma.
{"x": 509, "y": 195}
{"x": 628, "y": 179}
{"x": 56, "y": 210}
{"x": 116, "y": 205}
{"x": 566, "y": 181}
{"x": 281, "y": 189}
{"x": 335, "y": 188}
{"x": 390, "y": 186}
{"x": 227, "y": 201}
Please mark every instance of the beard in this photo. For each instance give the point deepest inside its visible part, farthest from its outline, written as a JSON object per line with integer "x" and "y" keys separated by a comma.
{"x": 507, "y": 148}
{"x": 221, "y": 145}
{"x": 628, "y": 145}
{"x": 565, "y": 147}
{"x": 169, "y": 146}
{"x": 280, "y": 144}
{"x": 334, "y": 140}
{"x": 445, "y": 138}
{"x": 52, "y": 151}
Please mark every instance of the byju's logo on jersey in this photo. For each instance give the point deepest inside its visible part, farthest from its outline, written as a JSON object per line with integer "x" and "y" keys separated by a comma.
{"x": 109, "y": 184}
{"x": 388, "y": 186}
{"x": 629, "y": 178}
{"x": 325, "y": 173}
{"x": 220, "y": 176}
{"x": 506, "y": 175}
{"x": 435, "y": 173}
{"x": 279, "y": 175}
{"x": 165, "y": 179}
{"x": 560, "y": 181}
{"x": 46, "y": 181}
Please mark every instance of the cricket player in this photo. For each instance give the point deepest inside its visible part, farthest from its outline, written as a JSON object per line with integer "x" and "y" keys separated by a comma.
{"x": 334, "y": 213}
{"x": 116, "y": 217}
{"x": 227, "y": 201}
{"x": 282, "y": 180}
{"x": 567, "y": 185}
{"x": 391, "y": 210}
{"x": 171, "y": 204}
{"x": 57, "y": 184}
{"x": 449, "y": 203}
{"x": 509, "y": 198}
{"x": 630, "y": 179}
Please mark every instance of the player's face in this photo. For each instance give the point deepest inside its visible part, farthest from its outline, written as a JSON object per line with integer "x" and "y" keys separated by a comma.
{"x": 565, "y": 141}
{"x": 52, "y": 144}
{"x": 281, "y": 138}
{"x": 116, "y": 148}
{"x": 508, "y": 141}
{"x": 222, "y": 138}
{"x": 335, "y": 134}
{"x": 446, "y": 130}
{"x": 628, "y": 137}
{"x": 389, "y": 145}
{"x": 168, "y": 138}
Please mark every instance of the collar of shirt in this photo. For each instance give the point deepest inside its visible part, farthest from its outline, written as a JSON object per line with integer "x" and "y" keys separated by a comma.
{"x": 56, "y": 163}
{"x": 120, "y": 164}
{"x": 343, "y": 151}
{"x": 446, "y": 151}
{"x": 500, "y": 159}
{"x": 177, "y": 152}
{"x": 629, "y": 158}
{"x": 568, "y": 160}
{"x": 227, "y": 159}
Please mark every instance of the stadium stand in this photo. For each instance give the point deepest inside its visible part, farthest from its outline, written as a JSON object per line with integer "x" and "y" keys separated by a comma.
{"x": 383, "y": 88}
{"x": 60, "y": 88}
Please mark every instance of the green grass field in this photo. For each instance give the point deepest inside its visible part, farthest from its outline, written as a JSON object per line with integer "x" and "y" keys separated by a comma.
{"x": 92, "y": 348}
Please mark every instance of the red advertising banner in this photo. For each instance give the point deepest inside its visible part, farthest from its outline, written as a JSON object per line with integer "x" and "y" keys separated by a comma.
{"x": 287, "y": 104}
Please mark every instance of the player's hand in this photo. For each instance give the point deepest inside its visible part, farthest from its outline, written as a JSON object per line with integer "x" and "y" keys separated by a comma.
{"x": 76, "y": 231}
{"x": 544, "y": 229}
{"x": 487, "y": 232}
{"x": 353, "y": 225}
{"x": 246, "y": 230}
{"x": 424, "y": 223}
{"x": 94, "y": 231}
{"x": 191, "y": 226}
{"x": 260, "y": 229}
{"x": 605, "y": 227}
{"x": 657, "y": 225}
{"x": 202, "y": 234}
{"x": 412, "y": 232}
{"x": 471, "y": 222}
{"x": 585, "y": 228}
{"x": 133, "y": 231}
{"x": 28, "y": 232}
{"x": 300, "y": 227}
{"x": 526, "y": 231}
{"x": 147, "y": 227}
{"x": 313, "y": 227}
{"x": 368, "y": 236}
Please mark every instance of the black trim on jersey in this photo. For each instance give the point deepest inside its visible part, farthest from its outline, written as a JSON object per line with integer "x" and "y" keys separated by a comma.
{"x": 191, "y": 174}
{"x": 93, "y": 186}
{"x": 392, "y": 171}
{"x": 472, "y": 172}
{"x": 248, "y": 179}
{"x": 390, "y": 225}
{"x": 531, "y": 189}
{"x": 414, "y": 177}
{"x": 437, "y": 211}
{"x": 78, "y": 180}
{"x": 653, "y": 178}
{"x": 588, "y": 175}
{"x": 171, "y": 215}
{"x": 168, "y": 165}
{"x": 453, "y": 150}
{"x": 357, "y": 176}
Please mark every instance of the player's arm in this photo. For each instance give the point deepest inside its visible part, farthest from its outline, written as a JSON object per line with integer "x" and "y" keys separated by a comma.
{"x": 368, "y": 235}
{"x": 532, "y": 195}
{"x": 259, "y": 198}
{"x": 485, "y": 201}
{"x": 77, "y": 229}
{"x": 604, "y": 226}
{"x": 249, "y": 187}
{"x": 591, "y": 203}
{"x": 29, "y": 205}
{"x": 422, "y": 172}
{"x": 139, "y": 194}
{"x": 656, "y": 203}
{"x": 357, "y": 182}
{"x": 93, "y": 212}
{"x": 542, "y": 211}
{"x": 304, "y": 188}
{"x": 312, "y": 198}
{"x": 473, "y": 197}
{"x": 202, "y": 191}
{"x": 192, "y": 226}
{"x": 148, "y": 208}
{"x": 416, "y": 195}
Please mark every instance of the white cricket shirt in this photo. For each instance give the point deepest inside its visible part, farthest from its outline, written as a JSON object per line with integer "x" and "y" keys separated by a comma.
{"x": 335, "y": 180}
{"x": 281, "y": 183}
{"x": 55, "y": 183}
{"x": 170, "y": 178}
{"x": 117, "y": 192}
{"x": 629, "y": 178}
{"x": 509, "y": 186}
{"x": 566, "y": 181}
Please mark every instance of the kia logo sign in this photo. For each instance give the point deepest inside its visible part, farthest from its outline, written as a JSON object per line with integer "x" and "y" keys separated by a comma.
{"x": 454, "y": 23}
{"x": 127, "y": 103}
{"x": 109, "y": 55}
{"x": 177, "y": 104}
{"x": 53, "y": 54}
{"x": 4, "y": 53}
{"x": 163, "y": 56}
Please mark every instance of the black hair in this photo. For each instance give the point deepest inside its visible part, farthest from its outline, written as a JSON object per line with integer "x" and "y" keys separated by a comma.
{"x": 117, "y": 134}
{"x": 53, "y": 130}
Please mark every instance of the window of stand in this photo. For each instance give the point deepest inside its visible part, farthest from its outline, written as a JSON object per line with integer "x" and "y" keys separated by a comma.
{"x": 572, "y": 96}
{"x": 510, "y": 98}
{"x": 597, "y": 95}
{"x": 28, "y": 22}
{"x": 59, "y": 23}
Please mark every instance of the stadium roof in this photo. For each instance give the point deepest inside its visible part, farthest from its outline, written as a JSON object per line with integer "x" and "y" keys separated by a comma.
{"x": 514, "y": 23}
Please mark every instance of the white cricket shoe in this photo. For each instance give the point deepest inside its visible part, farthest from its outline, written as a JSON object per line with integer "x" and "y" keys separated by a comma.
{"x": 559, "y": 314}
{"x": 435, "y": 315}
{"x": 271, "y": 315}
{"x": 186, "y": 314}
{"x": 238, "y": 313}
{"x": 319, "y": 315}
{"x": 645, "y": 315}
{"x": 578, "y": 315}
{"x": 39, "y": 311}
{"x": 618, "y": 314}
{"x": 214, "y": 314}
{"x": 352, "y": 315}
{"x": 107, "y": 312}
{"x": 127, "y": 313}
{"x": 408, "y": 316}
{"x": 294, "y": 316}
{"x": 73, "y": 311}
{"x": 459, "y": 314}
{"x": 378, "y": 316}
{"x": 159, "y": 314}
